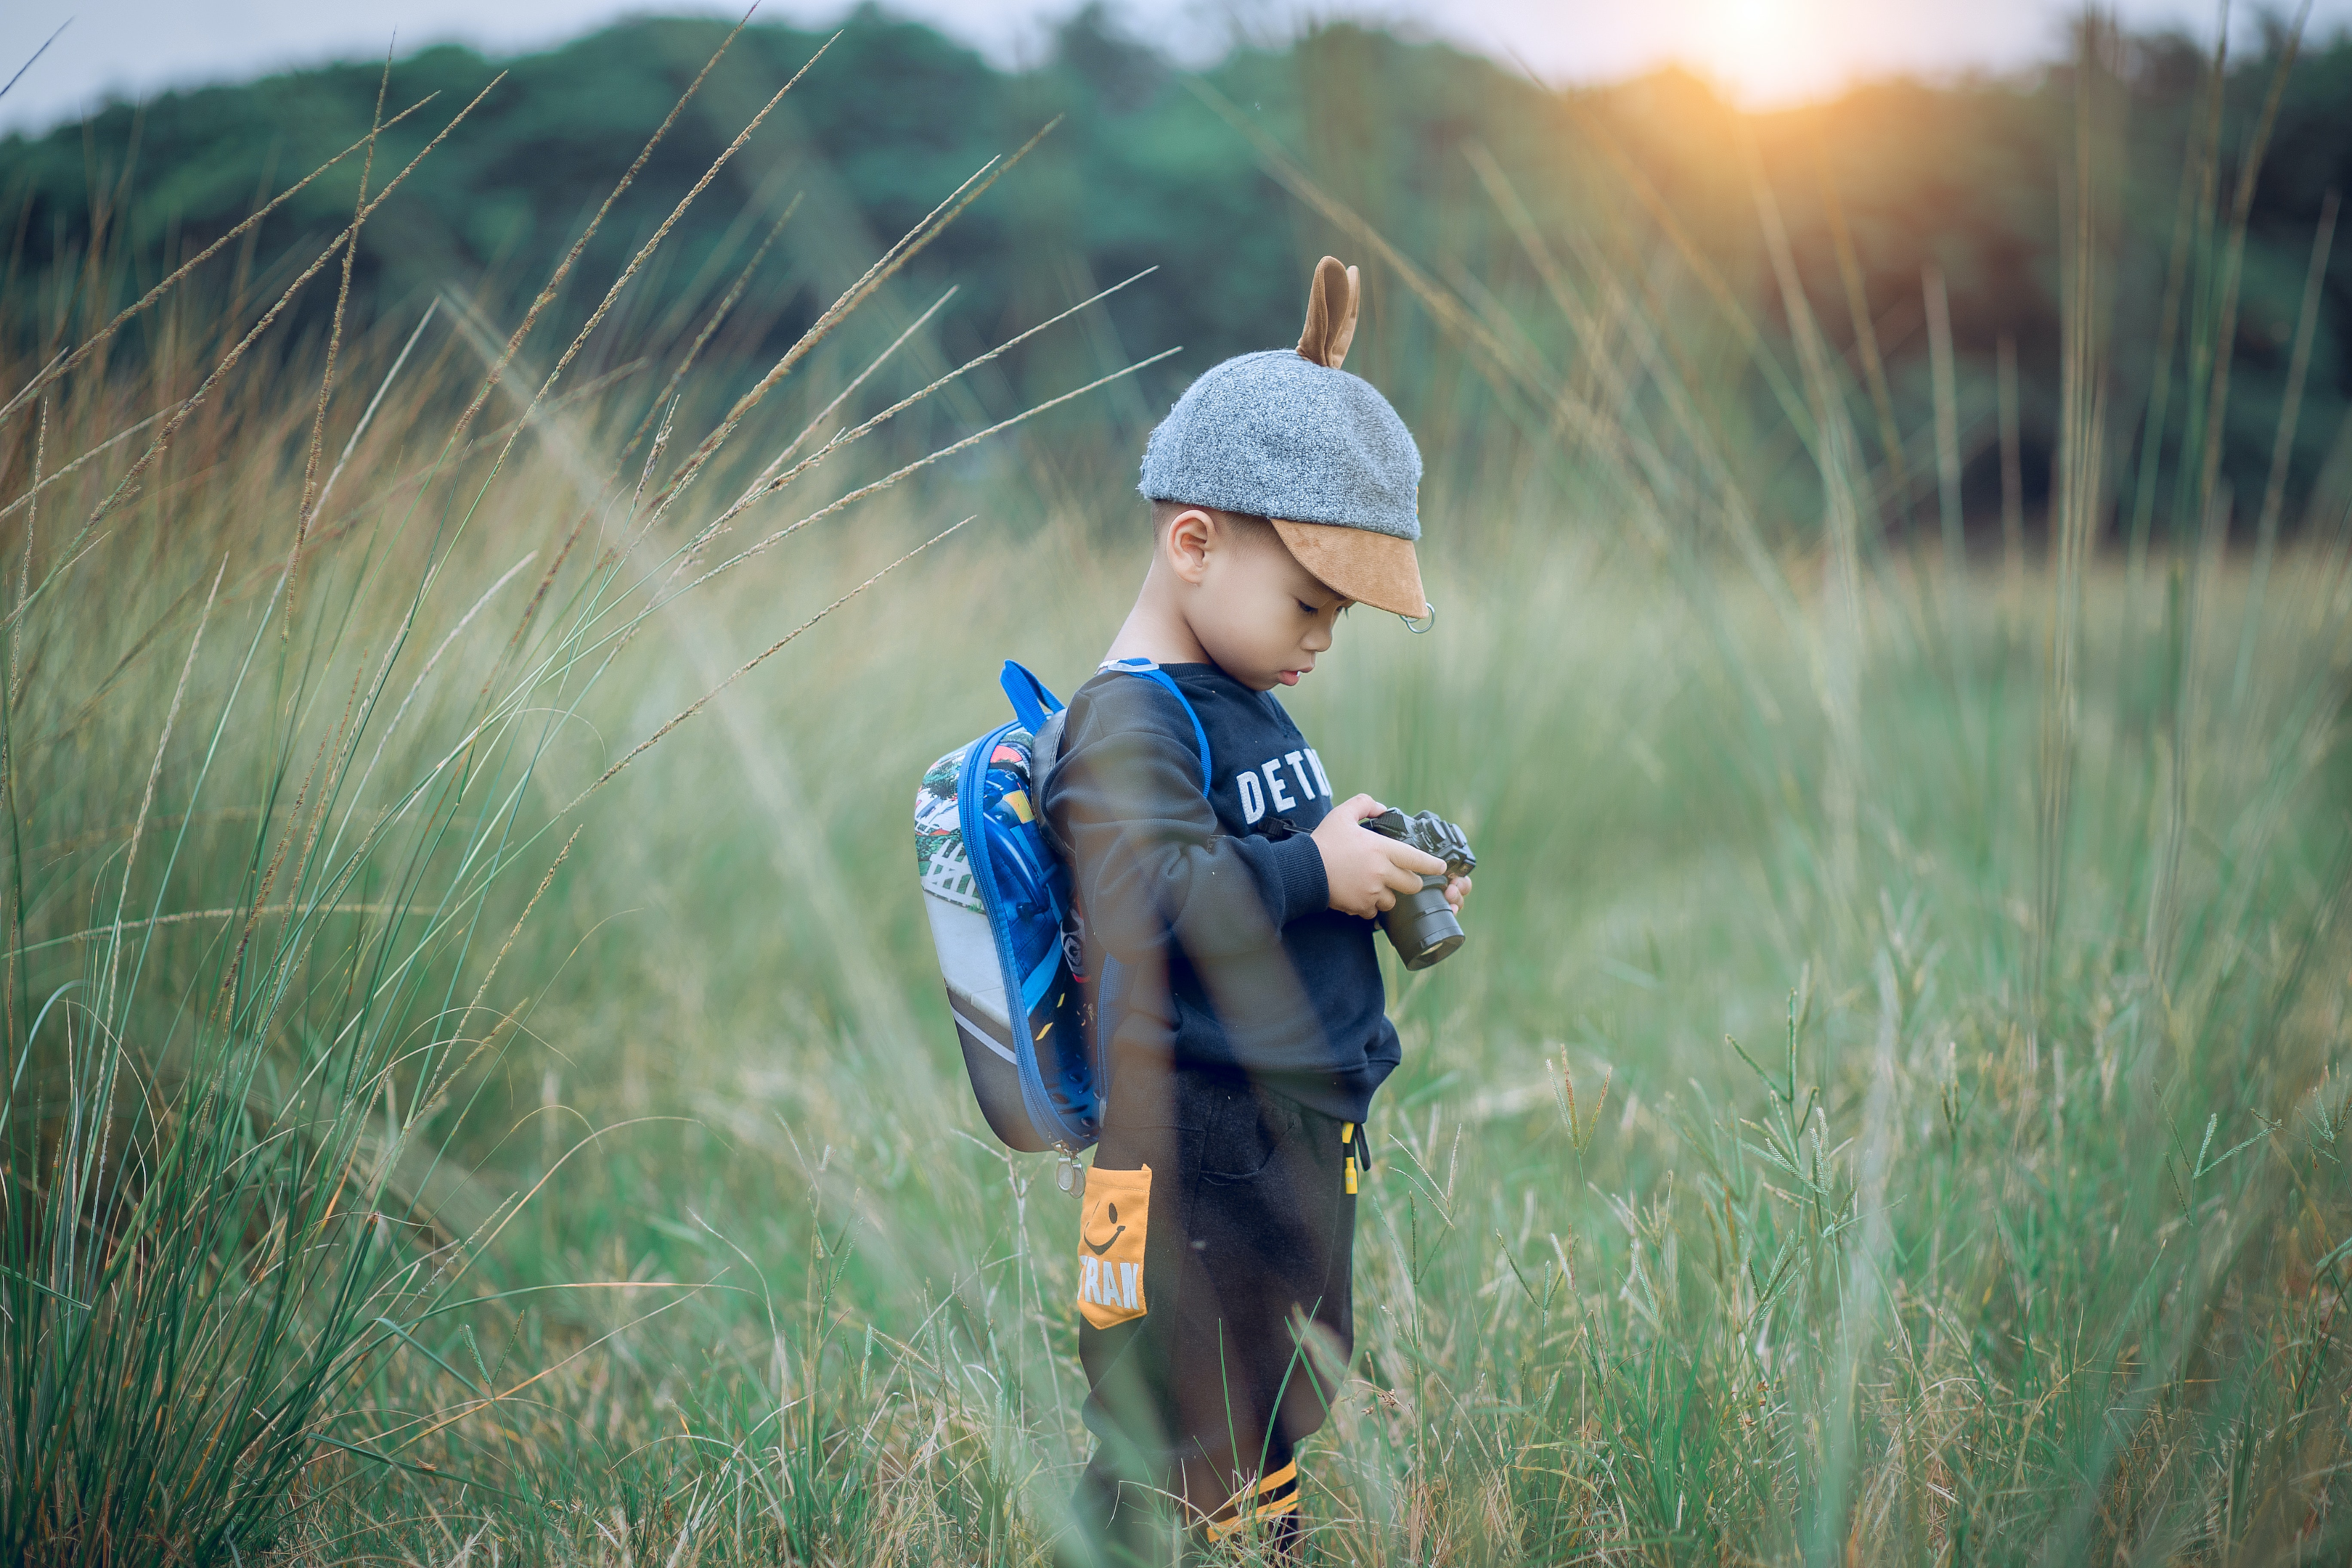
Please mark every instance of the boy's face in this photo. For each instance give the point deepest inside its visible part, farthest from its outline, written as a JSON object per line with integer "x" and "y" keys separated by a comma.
{"x": 1256, "y": 612}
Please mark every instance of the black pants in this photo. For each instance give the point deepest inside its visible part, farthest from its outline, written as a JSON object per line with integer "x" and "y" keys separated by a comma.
{"x": 1249, "y": 1319}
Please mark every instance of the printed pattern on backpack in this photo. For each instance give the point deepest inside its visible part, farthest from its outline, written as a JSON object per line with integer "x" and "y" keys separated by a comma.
{"x": 939, "y": 860}
{"x": 960, "y": 928}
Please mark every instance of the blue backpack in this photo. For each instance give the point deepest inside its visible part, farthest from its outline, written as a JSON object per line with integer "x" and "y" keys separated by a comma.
{"x": 1006, "y": 926}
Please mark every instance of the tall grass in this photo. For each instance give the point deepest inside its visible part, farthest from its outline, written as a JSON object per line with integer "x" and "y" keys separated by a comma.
{"x": 274, "y": 827}
{"x": 1891, "y": 1106}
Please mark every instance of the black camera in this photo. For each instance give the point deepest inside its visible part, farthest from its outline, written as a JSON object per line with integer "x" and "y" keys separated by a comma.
{"x": 1421, "y": 925}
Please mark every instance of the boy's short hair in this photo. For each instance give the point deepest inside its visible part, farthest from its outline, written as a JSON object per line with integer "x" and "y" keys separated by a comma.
{"x": 1164, "y": 511}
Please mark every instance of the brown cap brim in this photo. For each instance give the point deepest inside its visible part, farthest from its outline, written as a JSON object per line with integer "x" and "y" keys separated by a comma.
{"x": 1376, "y": 569}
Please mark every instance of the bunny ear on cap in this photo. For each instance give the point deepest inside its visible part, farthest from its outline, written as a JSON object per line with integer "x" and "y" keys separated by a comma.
{"x": 1332, "y": 303}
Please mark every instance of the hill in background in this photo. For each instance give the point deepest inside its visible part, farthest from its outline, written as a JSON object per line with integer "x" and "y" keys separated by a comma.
{"x": 1147, "y": 167}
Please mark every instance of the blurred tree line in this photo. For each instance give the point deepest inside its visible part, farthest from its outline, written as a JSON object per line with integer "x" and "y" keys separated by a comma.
{"x": 1152, "y": 167}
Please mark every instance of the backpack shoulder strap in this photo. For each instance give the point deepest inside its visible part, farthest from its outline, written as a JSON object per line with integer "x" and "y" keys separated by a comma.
{"x": 1044, "y": 750}
{"x": 1149, "y": 672}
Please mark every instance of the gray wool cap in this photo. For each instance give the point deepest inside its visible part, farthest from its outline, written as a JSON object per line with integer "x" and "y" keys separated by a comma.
{"x": 1277, "y": 434}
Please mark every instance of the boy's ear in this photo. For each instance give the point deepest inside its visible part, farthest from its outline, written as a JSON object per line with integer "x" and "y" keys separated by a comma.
{"x": 1187, "y": 539}
{"x": 1331, "y": 301}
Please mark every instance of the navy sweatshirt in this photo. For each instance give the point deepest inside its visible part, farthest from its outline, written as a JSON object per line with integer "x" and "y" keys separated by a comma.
{"x": 1218, "y": 906}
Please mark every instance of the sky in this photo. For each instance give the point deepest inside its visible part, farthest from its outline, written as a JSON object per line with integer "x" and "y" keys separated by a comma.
{"x": 1765, "y": 53}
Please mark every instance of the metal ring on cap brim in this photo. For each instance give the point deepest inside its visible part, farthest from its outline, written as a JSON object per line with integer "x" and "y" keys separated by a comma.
{"x": 1426, "y": 621}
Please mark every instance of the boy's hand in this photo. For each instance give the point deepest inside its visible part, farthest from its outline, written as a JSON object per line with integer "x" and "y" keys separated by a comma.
{"x": 1457, "y": 889}
{"x": 1366, "y": 871}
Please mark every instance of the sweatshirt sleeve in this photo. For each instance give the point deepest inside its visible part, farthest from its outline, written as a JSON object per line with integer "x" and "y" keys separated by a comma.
{"x": 1150, "y": 861}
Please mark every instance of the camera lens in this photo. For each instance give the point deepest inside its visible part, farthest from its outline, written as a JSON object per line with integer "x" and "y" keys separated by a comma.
{"x": 1422, "y": 926}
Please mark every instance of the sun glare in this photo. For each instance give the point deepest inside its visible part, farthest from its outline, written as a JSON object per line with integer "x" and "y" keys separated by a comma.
{"x": 1761, "y": 51}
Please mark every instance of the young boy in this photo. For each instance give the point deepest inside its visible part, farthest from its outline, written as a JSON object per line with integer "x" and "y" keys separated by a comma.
{"x": 1230, "y": 921}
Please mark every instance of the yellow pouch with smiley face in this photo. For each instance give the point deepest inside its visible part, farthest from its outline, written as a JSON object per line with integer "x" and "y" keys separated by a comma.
{"x": 1110, "y": 1245}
